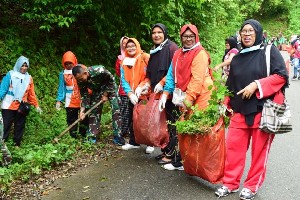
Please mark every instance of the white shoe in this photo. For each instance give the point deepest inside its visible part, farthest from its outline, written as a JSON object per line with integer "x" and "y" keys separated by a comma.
{"x": 129, "y": 146}
{"x": 171, "y": 167}
{"x": 149, "y": 149}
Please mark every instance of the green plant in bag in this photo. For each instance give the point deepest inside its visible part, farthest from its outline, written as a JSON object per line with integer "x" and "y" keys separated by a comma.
{"x": 201, "y": 121}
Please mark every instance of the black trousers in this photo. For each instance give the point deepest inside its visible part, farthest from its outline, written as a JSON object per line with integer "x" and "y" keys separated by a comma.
{"x": 172, "y": 113}
{"x": 130, "y": 118}
{"x": 124, "y": 109}
{"x": 13, "y": 117}
{"x": 72, "y": 116}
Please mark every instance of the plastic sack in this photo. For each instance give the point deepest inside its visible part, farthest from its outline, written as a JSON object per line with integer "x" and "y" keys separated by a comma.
{"x": 204, "y": 155}
{"x": 149, "y": 124}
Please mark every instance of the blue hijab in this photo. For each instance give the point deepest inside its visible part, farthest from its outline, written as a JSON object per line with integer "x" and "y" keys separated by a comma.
{"x": 19, "y": 81}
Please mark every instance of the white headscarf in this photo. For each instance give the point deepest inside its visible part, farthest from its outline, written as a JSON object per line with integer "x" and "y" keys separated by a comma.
{"x": 19, "y": 81}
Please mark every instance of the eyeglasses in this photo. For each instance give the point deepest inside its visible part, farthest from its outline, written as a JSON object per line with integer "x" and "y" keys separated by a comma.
{"x": 188, "y": 37}
{"x": 131, "y": 47}
{"x": 250, "y": 32}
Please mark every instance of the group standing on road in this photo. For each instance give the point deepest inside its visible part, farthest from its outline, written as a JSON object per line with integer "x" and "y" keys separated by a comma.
{"x": 180, "y": 79}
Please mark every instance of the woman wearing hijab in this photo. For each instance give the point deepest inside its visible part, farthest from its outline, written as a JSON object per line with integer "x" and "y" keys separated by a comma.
{"x": 69, "y": 93}
{"x": 231, "y": 50}
{"x": 188, "y": 78}
{"x": 160, "y": 59}
{"x": 133, "y": 72}
{"x": 250, "y": 86}
{"x": 124, "y": 98}
{"x": 17, "y": 86}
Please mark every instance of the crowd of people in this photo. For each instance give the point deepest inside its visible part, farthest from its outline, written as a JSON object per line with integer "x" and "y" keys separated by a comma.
{"x": 280, "y": 41}
{"x": 180, "y": 78}
{"x": 292, "y": 47}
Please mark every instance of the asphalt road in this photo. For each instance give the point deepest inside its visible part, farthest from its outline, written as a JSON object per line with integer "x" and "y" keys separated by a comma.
{"x": 136, "y": 175}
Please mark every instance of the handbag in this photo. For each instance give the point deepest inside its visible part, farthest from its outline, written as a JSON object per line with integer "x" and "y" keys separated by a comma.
{"x": 24, "y": 108}
{"x": 275, "y": 118}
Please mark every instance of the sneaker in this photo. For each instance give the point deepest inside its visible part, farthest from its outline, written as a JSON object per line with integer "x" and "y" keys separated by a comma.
{"x": 224, "y": 191}
{"x": 171, "y": 167}
{"x": 294, "y": 78}
{"x": 119, "y": 140}
{"x": 160, "y": 156}
{"x": 149, "y": 149}
{"x": 92, "y": 140}
{"x": 247, "y": 194}
{"x": 130, "y": 146}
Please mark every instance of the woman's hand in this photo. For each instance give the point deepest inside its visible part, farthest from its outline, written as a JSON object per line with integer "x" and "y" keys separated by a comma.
{"x": 39, "y": 110}
{"x": 81, "y": 113}
{"x": 186, "y": 105}
{"x": 104, "y": 97}
{"x": 248, "y": 91}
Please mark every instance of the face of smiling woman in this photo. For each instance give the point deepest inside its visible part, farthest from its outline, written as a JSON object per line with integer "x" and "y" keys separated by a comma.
{"x": 248, "y": 35}
{"x": 131, "y": 49}
{"x": 24, "y": 68}
{"x": 188, "y": 39}
{"x": 157, "y": 36}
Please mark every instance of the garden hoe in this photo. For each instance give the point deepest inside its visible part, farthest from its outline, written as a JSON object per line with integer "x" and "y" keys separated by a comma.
{"x": 55, "y": 140}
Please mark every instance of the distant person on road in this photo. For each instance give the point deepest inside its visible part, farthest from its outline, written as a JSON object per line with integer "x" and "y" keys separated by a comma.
{"x": 266, "y": 39}
{"x": 102, "y": 84}
{"x": 274, "y": 41}
{"x": 251, "y": 87}
{"x": 295, "y": 54}
{"x": 69, "y": 93}
{"x": 281, "y": 41}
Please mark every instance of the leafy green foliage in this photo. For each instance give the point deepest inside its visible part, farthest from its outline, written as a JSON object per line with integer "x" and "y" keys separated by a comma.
{"x": 62, "y": 13}
{"x": 294, "y": 16}
{"x": 201, "y": 121}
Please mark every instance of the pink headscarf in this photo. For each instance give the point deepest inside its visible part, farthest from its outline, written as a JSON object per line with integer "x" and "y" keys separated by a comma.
{"x": 122, "y": 56}
{"x": 182, "y": 61}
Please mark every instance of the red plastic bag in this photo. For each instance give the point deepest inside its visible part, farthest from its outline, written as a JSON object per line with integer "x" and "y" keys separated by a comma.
{"x": 204, "y": 155}
{"x": 149, "y": 124}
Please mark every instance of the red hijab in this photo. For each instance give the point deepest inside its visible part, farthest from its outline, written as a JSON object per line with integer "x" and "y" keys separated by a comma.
{"x": 182, "y": 60}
